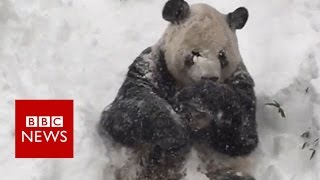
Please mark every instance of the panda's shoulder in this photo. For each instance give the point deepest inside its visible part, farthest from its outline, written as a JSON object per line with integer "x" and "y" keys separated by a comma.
{"x": 142, "y": 66}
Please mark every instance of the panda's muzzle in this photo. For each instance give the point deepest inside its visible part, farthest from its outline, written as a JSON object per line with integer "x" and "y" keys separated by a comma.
{"x": 214, "y": 78}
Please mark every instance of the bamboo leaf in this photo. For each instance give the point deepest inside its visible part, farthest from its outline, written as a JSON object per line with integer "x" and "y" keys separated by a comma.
{"x": 307, "y": 90}
{"x": 272, "y": 104}
{"x": 306, "y": 134}
{"x": 316, "y": 142}
{"x": 313, "y": 153}
{"x": 276, "y": 103}
{"x": 304, "y": 145}
{"x": 282, "y": 113}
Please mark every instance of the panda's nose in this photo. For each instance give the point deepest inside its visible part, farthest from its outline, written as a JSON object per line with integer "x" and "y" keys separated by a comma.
{"x": 214, "y": 78}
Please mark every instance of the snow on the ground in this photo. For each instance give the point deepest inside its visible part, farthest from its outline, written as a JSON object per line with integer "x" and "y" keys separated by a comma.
{"x": 81, "y": 49}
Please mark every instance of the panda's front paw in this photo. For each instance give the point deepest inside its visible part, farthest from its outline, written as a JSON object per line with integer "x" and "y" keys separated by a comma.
{"x": 173, "y": 137}
{"x": 201, "y": 90}
{"x": 172, "y": 143}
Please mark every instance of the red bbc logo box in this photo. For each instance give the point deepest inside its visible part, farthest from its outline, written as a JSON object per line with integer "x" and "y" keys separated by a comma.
{"x": 44, "y": 129}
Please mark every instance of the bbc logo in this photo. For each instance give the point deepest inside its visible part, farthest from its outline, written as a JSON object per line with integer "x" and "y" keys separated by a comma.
{"x": 44, "y": 121}
{"x": 44, "y": 129}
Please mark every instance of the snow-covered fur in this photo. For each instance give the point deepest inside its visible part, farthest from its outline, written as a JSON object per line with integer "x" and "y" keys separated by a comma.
{"x": 183, "y": 93}
{"x": 143, "y": 118}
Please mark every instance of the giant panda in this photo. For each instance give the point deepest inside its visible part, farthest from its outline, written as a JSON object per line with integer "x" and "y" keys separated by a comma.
{"x": 190, "y": 91}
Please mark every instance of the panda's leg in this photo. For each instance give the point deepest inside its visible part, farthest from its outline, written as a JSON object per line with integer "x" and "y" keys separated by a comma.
{"x": 159, "y": 164}
{"x": 218, "y": 166}
{"x": 142, "y": 117}
{"x": 227, "y": 174}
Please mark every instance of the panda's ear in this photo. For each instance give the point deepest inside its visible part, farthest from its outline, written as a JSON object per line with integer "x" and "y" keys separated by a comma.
{"x": 238, "y": 18}
{"x": 175, "y": 11}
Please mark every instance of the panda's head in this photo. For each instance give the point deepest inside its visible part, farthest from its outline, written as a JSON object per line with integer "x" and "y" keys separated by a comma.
{"x": 200, "y": 42}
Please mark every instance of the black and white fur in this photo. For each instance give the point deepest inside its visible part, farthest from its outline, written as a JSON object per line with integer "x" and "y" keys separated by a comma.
{"x": 165, "y": 106}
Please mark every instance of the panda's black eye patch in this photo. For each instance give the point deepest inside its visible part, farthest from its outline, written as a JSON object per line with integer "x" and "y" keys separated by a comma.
{"x": 223, "y": 59}
{"x": 189, "y": 60}
{"x": 196, "y": 53}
